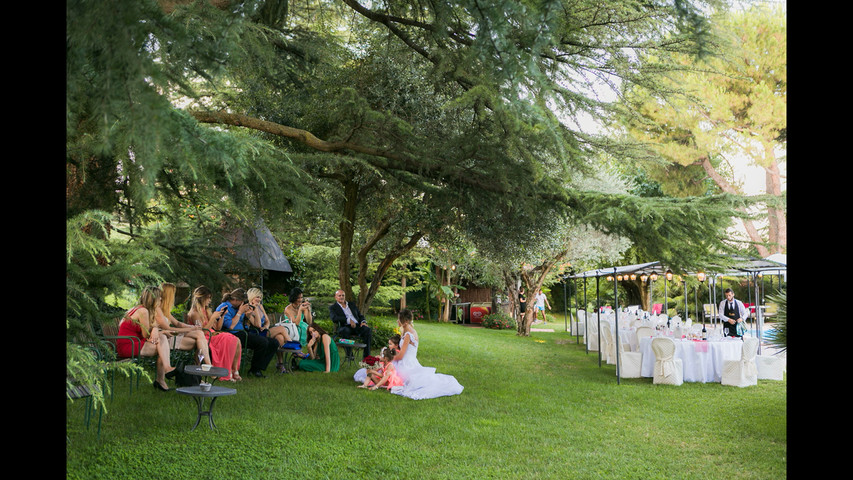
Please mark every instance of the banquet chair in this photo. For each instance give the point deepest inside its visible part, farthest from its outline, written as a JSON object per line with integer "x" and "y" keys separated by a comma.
{"x": 743, "y": 372}
{"x": 644, "y": 331}
{"x": 578, "y": 327}
{"x": 668, "y": 369}
{"x": 630, "y": 363}
{"x": 592, "y": 334}
{"x": 608, "y": 347}
{"x": 770, "y": 367}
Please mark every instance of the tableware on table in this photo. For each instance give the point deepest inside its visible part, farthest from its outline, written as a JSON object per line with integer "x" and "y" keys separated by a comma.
{"x": 205, "y": 367}
{"x": 205, "y": 387}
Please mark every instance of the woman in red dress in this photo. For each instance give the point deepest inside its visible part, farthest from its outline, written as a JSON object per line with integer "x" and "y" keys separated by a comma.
{"x": 225, "y": 349}
{"x": 139, "y": 322}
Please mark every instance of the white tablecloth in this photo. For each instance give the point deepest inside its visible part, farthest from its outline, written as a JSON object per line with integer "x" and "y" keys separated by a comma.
{"x": 703, "y": 361}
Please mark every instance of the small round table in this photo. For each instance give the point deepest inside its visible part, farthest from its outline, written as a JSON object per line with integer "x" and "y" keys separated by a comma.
{"x": 199, "y": 395}
{"x": 214, "y": 372}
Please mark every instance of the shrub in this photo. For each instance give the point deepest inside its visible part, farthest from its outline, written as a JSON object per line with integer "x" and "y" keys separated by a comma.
{"x": 498, "y": 320}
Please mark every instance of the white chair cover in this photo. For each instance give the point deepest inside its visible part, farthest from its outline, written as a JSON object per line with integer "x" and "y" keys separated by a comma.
{"x": 644, "y": 331}
{"x": 770, "y": 367}
{"x": 743, "y": 372}
{"x": 578, "y": 327}
{"x": 608, "y": 347}
{"x": 592, "y": 334}
{"x": 668, "y": 369}
{"x": 630, "y": 363}
{"x": 688, "y": 323}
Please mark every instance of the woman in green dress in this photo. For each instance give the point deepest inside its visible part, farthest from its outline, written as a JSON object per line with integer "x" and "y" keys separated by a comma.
{"x": 322, "y": 350}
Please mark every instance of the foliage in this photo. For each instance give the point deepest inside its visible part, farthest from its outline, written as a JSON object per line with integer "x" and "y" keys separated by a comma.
{"x": 779, "y": 337}
{"x": 498, "y": 320}
{"x": 97, "y": 266}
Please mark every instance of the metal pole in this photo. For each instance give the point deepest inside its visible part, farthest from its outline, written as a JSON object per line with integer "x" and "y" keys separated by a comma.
{"x": 616, "y": 327}
{"x": 686, "y": 313}
{"x": 665, "y": 297}
{"x": 585, "y": 322}
{"x": 577, "y": 314}
{"x": 565, "y": 306}
{"x": 598, "y": 313}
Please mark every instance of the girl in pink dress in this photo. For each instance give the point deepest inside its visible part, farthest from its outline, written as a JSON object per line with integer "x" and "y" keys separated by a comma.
{"x": 386, "y": 375}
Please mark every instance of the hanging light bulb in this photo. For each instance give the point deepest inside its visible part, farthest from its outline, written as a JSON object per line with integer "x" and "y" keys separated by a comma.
{"x": 669, "y": 274}
{"x": 700, "y": 276}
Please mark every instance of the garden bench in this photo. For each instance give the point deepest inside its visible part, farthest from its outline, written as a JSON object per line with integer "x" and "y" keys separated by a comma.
{"x": 76, "y": 391}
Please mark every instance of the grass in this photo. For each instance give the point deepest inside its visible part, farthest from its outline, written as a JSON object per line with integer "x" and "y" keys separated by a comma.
{"x": 537, "y": 407}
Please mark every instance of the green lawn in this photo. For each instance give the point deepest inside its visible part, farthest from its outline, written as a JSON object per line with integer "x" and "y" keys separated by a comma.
{"x": 538, "y": 407}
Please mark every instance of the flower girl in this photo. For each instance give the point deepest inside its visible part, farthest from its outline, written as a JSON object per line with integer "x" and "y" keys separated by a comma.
{"x": 385, "y": 375}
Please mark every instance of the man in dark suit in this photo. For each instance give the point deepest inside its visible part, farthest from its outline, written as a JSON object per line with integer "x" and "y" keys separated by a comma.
{"x": 349, "y": 321}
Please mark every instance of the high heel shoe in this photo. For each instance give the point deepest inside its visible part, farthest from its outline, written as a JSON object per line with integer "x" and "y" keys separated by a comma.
{"x": 172, "y": 373}
{"x": 159, "y": 387}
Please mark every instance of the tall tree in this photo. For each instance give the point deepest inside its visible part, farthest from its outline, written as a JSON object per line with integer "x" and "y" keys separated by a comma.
{"x": 453, "y": 100}
{"x": 732, "y": 104}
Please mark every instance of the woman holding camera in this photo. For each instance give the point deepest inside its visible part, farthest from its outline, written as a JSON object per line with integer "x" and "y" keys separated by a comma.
{"x": 234, "y": 306}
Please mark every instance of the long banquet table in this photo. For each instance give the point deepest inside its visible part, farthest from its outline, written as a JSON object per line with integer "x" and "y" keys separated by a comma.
{"x": 702, "y": 361}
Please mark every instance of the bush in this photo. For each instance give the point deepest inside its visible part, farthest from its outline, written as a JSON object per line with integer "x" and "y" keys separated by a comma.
{"x": 498, "y": 320}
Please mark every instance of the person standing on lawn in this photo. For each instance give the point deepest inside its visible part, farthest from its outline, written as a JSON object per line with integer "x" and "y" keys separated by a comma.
{"x": 540, "y": 301}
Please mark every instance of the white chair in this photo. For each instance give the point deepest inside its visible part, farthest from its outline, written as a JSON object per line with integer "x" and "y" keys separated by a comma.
{"x": 578, "y": 326}
{"x": 592, "y": 334}
{"x": 688, "y": 323}
{"x": 743, "y": 372}
{"x": 643, "y": 332}
{"x": 668, "y": 369}
{"x": 608, "y": 346}
{"x": 770, "y": 367}
{"x": 630, "y": 363}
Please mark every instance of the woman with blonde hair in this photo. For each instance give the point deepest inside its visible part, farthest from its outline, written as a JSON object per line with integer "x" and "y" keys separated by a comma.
{"x": 187, "y": 337}
{"x": 225, "y": 350}
{"x": 141, "y": 322}
{"x": 261, "y": 322}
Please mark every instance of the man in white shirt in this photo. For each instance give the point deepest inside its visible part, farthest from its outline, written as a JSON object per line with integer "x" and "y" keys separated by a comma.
{"x": 540, "y": 301}
{"x": 733, "y": 314}
{"x": 350, "y": 321}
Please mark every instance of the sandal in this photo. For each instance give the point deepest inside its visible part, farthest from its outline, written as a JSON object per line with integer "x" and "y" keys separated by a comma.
{"x": 235, "y": 375}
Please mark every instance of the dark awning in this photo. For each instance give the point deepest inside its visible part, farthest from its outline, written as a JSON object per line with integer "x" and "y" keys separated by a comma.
{"x": 259, "y": 248}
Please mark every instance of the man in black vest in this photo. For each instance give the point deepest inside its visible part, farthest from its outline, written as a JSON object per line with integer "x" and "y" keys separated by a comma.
{"x": 350, "y": 321}
{"x": 732, "y": 313}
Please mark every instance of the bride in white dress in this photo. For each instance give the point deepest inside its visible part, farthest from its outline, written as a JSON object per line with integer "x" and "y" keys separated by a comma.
{"x": 419, "y": 382}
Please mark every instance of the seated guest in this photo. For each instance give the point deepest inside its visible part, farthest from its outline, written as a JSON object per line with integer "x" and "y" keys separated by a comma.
{"x": 298, "y": 311}
{"x": 186, "y": 337}
{"x": 349, "y": 321}
{"x": 225, "y": 349}
{"x": 322, "y": 351}
{"x": 261, "y": 322}
{"x": 234, "y": 306}
{"x": 140, "y": 322}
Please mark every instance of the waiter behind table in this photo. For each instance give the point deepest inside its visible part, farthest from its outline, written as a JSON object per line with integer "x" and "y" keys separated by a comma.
{"x": 732, "y": 313}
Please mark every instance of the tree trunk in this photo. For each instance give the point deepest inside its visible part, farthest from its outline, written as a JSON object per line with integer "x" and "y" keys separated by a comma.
{"x": 347, "y": 231}
{"x": 403, "y": 297}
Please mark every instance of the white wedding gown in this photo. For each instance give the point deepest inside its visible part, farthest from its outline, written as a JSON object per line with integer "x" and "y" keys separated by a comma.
{"x": 421, "y": 382}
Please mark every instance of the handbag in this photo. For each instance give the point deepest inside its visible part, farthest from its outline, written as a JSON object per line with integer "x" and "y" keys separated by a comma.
{"x": 292, "y": 330}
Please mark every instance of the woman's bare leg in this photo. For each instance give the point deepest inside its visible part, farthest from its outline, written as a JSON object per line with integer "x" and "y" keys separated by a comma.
{"x": 195, "y": 341}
